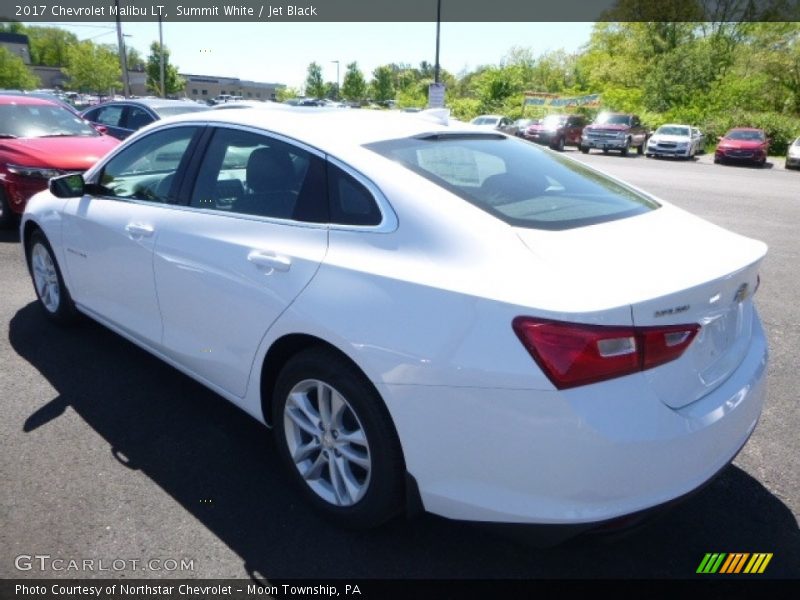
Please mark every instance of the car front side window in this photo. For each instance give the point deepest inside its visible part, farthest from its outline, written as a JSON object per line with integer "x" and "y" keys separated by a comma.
{"x": 146, "y": 169}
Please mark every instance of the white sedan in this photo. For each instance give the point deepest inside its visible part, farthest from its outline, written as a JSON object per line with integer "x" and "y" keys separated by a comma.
{"x": 426, "y": 313}
{"x": 681, "y": 141}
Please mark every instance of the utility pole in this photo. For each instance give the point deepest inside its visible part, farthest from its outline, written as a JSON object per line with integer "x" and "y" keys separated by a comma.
{"x": 123, "y": 55}
{"x": 161, "y": 56}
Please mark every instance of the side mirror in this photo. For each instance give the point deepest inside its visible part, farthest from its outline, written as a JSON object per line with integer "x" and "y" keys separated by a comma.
{"x": 68, "y": 186}
{"x": 719, "y": 138}
{"x": 101, "y": 128}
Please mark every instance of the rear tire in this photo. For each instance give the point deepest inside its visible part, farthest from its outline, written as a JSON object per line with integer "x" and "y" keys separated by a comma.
{"x": 640, "y": 148}
{"x": 584, "y": 149}
{"x": 48, "y": 283}
{"x": 336, "y": 438}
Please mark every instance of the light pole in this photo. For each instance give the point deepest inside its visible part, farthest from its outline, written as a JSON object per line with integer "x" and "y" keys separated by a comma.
{"x": 438, "y": 24}
{"x": 337, "y": 78}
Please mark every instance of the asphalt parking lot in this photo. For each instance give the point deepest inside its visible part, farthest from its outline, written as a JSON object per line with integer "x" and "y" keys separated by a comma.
{"x": 107, "y": 453}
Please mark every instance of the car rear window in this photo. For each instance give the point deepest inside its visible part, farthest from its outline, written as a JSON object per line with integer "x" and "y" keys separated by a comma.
{"x": 515, "y": 181}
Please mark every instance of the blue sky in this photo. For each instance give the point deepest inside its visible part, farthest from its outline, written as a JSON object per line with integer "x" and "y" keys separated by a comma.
{"x": 280, "y": 52}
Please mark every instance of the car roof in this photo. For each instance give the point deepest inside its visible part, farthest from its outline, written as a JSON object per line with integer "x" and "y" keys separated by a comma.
{"x": 745, "y": 129}
{"x": 332, "y": 129}
{"x": 24, "y": 99}
{"x": 148, "y": 102}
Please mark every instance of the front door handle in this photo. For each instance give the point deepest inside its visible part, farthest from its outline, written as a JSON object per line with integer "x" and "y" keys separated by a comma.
{"x": 139, "y": 229}
{"x": 270, "y": 260}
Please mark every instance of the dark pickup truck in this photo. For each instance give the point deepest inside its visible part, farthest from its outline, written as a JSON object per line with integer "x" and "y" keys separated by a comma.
{"x": 614, "y": 131}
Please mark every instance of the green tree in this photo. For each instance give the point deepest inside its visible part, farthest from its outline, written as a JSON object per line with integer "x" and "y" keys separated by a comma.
{"x": 173, "y": 83}
{"x": 92, "y": 68}
{"x": 13, "y": 72}
{"x": 135, "y": 60}
{"x": 286, "y": 93}
{"x": 382, "y": 86}
{"x": 49, "y": 45}
{"x": 315, "y": 86}
{"x": 354, "y": 87}
{"x": 331, "y": 90}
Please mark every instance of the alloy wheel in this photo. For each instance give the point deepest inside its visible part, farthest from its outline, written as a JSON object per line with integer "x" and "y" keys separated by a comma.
{"x": 45, "y": 277}
{"x": 327, "y": 442}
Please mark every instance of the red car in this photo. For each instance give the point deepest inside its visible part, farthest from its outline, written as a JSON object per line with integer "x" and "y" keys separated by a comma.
{"x": 743, "y": 144}
{"x": 557, "y": 131}
{"x": 40, "y": 139}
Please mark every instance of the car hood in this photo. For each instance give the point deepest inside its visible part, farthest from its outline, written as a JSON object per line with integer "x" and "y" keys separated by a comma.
{"x": 670, "y": 138}
{"x": 76, "y": 153}
{"x": 608, "y": 127}
{"x": 741, "y": 144}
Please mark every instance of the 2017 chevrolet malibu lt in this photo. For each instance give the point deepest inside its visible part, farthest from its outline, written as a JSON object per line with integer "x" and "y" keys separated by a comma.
{"x": 420, "y": 309}
{"x": 40, "y": 139}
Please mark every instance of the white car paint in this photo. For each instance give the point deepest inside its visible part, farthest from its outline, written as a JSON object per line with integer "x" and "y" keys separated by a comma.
{"x": 423, "y": 305}
{"x": 664, "y": 143}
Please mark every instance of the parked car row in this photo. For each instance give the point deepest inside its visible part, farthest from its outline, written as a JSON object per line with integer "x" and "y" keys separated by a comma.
{"x": 622, "y": 132}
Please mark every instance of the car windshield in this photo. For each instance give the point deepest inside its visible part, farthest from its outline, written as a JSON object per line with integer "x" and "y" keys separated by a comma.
{"x": 485, "y": 120}
{"x": 672, "y": 130}
{"x": 41, "y": 120}
{"x": 517, "y": 182}
{"x": 747, "y": 135}
{"x": 613, "y": 120}
{"x": 554, "y": 120}
{"x": 796, "y": 142}
{"x": 169, "y": 111}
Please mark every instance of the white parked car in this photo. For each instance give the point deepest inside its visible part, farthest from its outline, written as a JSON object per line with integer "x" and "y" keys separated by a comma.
{"x": 498, "y": 122}
{"x": 423, "y": 311}
{"x": 680, "y": 141}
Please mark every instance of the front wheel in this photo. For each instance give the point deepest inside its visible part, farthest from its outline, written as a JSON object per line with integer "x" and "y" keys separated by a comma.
{"x": 626, "y": 148}
{"x": 336, "y": 438}
{"x": 640, "y": 148}
{"x": 559, "y": 145}
{"x": 584, "y": 149}
{"x": 53, "y": 295}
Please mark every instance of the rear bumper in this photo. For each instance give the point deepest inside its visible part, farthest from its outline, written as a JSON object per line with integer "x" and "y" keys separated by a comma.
{"x": 582, "y": 456}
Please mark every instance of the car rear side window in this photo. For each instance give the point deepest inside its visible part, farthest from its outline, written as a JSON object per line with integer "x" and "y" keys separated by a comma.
{"x": 351, "y": 203}
{"x": 253, "y": 174}
{"x": 517, "y": 182}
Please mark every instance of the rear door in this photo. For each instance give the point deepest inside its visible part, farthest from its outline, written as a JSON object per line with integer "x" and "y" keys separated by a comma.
{"x": 251, "y": 237}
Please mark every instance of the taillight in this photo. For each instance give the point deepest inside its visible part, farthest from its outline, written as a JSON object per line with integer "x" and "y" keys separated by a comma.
{"x": 573, "y": 354}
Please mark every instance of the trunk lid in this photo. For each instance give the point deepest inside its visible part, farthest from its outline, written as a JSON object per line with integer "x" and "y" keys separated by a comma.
{"x": 670, "y": 268}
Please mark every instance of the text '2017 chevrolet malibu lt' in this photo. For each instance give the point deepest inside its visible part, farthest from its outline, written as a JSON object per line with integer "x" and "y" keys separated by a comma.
{"x": 420, "y": 309}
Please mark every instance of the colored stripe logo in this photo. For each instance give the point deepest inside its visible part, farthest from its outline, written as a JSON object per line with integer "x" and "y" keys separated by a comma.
{"x": 734, "y": 563}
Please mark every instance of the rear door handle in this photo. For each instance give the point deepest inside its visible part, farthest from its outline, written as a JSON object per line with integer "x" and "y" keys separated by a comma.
{"x": 270, "y": 260}
{"x": 140, "y": 229}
